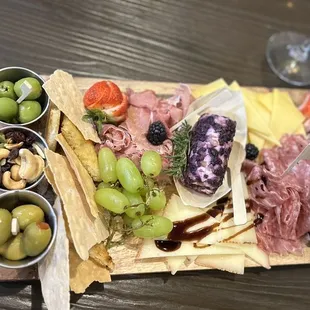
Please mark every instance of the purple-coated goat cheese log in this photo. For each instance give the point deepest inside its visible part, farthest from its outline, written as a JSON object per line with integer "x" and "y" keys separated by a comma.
{"x": 210, "y": 146}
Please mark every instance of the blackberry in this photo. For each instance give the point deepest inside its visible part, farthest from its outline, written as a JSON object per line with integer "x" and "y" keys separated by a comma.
{"x": 251, "y": 151}
{"x": 157, "y": 133}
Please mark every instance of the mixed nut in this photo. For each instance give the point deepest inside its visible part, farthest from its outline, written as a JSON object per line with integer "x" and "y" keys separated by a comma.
{"x": 22, "y": 160}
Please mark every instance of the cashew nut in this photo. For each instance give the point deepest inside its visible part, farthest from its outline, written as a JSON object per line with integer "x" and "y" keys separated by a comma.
{"x": 10, "y": 183}
{"x": 15, "y": 173}
{"x": 13, "y": 146}
{"x": 4, "y": 153}
{"x": 31, "y": 165}
{"x": 18, "y": 161}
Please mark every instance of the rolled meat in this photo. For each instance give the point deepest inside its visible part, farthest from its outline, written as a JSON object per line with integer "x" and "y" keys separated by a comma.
{"x": 210, "y": 146}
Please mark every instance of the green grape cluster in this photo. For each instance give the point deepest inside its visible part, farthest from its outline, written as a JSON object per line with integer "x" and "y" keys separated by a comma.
{"x": 132, "y": 194}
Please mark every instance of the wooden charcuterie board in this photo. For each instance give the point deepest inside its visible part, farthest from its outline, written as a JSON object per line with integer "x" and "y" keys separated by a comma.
{"x": 124, "y": 256}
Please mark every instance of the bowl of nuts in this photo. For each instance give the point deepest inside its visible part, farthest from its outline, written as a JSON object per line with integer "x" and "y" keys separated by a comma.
{"x": 22, "y": 158}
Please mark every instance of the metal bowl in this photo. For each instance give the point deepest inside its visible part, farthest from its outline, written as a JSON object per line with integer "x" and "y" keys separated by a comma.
{"x": 14, "y": 74}
{"x": 14, "y": 199}
{"x": 41, "y": 142}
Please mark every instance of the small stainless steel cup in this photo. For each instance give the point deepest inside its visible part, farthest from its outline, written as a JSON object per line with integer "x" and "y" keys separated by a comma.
{"x": 13, "y": 199}
{"x": 14, "y": 74}
{"x": 39, "y": 139}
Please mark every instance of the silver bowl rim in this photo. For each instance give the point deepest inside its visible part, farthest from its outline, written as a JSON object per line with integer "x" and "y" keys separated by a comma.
{"x": 38, "y": 258}
{"x": 39, "y": 180}
{"x": 47, "y": 103}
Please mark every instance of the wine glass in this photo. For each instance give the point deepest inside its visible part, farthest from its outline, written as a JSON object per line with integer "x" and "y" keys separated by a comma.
{"x": 288, "y": 56}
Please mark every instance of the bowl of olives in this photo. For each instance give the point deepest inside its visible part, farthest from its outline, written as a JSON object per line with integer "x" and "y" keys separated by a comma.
{"x": 28, "y": 227}
{"x": 22, "y": 158}
{"x": 14, "y": 109}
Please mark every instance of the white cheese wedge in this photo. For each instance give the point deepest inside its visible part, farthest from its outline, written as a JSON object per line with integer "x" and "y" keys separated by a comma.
{"x": 230, "y": 263}
{"x": 176, "y": 210}
{"x": 252, "y": 251}
{"x": 149, "y": 250}
{"x": 174, "y": 263}
{"x": 248, "y": 235}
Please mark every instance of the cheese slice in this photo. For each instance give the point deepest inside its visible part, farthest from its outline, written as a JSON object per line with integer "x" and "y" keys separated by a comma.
{"x": 235, "y": 86}
{"x": 256, "y": 140}
{"x": 209, "y": 88}
{"x": 271, "y": 138}
{"x": 256, "y": 123}
{"x": 230, "y": 263}
{"x": 266, "y": 100}
{"x": 149, "y": 250}
{"x": 285, "y": 118}
{"x": 300, "y": 130}
{"x": 260, "y": 108}
{"x": 174, "y": 263}
{"x": 253, "y": 252}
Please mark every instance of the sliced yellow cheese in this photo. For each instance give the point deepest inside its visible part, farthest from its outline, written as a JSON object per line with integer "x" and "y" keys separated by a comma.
{"x": 255, "y": 99}
{"x": 271, "y": 138}
{"x": 256, "y": 140}
{"x": 234, "y": 86}
{"x": 300, "y": 130}
{"x": 256, "y": 122}
{"x": 266, "y": 99}
{"x": 209, "y": 88}
{"x": 285, "y": 118}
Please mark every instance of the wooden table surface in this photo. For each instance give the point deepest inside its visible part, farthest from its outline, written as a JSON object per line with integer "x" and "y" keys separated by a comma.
{"x": 193, "y": 41}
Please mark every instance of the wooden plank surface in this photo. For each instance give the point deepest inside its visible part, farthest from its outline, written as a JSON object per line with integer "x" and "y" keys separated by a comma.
{"x": 124, "y": 256}
{"x": 169, "y": 40}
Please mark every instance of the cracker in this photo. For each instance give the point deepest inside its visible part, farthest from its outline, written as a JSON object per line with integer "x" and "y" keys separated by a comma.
{"x": 82, "y": 175}
{"x": 101, "y": 256}
{"x": 54, "y": 268}
{"x": 52, "y": 127}
{"x": 50, "y": 178}
{"x": 84, "y": 273}
{"x": 86, "y": 231}
{"x": 63, "y": 91}
{"x": 84, "y": 149}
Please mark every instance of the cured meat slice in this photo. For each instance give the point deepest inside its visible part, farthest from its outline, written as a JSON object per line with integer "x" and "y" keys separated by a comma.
{"x": 282, "y": 201}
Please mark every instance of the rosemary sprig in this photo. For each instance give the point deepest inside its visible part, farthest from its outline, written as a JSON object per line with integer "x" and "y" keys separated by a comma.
{"x": 180, "y": 141}
{"x": 98, "y": 118}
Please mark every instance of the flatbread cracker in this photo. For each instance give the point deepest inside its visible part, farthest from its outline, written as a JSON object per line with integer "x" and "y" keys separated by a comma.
{"x": 52, "y": 127}
{"x": 101, "y": 256}
{"x": 54, "y": 268}
{"x": 50, "y": 178}
{"x": 84, "y": 149}
{"x": 82, "y": 175}
{"x": 63, "y": 91}
{"x": 84, "y": 273}
{"x": 86, "y": 231}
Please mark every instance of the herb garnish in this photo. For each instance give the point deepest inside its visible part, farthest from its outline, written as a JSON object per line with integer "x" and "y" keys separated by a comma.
{"x": 180, "y": 141}
{"x": 98, "y": 118}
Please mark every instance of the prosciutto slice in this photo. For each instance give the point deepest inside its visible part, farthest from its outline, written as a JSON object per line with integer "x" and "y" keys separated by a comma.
{"x": 169, "y": 111}
{"x": 115, "y": 138}
{"x": 282, "y": 201}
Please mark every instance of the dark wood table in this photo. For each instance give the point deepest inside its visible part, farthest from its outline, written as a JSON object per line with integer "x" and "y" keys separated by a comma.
{"x": 190, "y": 41}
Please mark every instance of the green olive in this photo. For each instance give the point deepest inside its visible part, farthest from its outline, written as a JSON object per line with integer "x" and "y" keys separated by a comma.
{"x": 36, "y": 238}
{"x": 8, "y": 109}
{"x": 13, "y": 249}
{"x": 29, "y": 110}
{"x": 27, "y": 214}
{"x": 36, "y": 88}
{"x": 7, "y": 90}
{"x": 5, "y": 226}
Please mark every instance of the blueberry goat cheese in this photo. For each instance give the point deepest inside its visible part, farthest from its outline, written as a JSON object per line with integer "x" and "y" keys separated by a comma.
{"x": 210, "y": 146}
